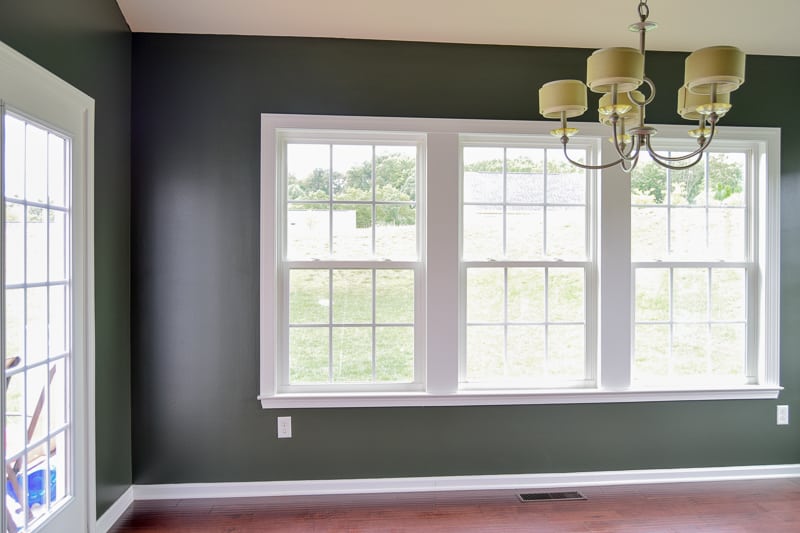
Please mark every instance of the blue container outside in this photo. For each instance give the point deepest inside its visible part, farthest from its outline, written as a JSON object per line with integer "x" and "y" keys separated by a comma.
{"x": 36, "y": 493}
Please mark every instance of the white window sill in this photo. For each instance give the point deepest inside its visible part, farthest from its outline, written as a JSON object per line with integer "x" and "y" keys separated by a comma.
{"x": 514, "y": 397}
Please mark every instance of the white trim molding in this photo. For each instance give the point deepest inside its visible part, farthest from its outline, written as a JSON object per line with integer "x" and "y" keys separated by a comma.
{"x": 115, "y": 512}
{"x": 459, "y": 483}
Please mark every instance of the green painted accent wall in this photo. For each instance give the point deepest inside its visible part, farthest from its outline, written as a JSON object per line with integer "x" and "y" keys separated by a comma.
{"x": 88, "y": 44}
{"x": 195, "y": 209}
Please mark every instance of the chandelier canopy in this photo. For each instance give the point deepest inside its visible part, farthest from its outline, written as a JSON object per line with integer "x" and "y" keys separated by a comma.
{"x": 711, "y": 74}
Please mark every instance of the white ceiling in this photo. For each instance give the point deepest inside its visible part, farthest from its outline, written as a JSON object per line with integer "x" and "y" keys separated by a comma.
{"x": 757, "y": 27}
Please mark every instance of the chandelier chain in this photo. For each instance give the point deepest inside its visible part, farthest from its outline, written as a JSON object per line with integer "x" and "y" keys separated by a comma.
{"x": 644, "y": 10}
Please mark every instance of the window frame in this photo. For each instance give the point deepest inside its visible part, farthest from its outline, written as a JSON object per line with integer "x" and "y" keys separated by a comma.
{"x": 442, "y": 264}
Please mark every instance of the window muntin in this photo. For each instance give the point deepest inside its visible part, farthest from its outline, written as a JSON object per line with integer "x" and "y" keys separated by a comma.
{"x": 352, "y": 271}
{"x": 692, "y": 263}
{"x": 525, "y": 228}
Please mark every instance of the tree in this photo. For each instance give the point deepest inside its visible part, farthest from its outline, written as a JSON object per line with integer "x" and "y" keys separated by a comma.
{"x": 724, "y": 180}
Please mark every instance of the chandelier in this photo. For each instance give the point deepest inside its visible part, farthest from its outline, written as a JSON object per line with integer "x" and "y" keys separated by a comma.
{"x": 711, "y": 74}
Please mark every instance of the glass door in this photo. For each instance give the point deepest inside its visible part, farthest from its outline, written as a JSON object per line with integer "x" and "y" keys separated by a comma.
{"x": 46, "y": 324}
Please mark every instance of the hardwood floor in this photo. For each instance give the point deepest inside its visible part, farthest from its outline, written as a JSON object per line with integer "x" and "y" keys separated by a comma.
{"x": 764, "y": 506}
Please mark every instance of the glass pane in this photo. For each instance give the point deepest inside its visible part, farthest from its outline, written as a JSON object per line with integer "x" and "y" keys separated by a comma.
{"x": 14, "y": 317}
{"x": 690, "y": 294}
{"x": 56, "y": 169}
{"x": 352, "y": 296}
{"x": 352, "y": 172}
{"x": 652, "y": 294}
{"x": 352, "y": 355}
{"x": 688, "y": 186}
{"x": 57, "y": 397}
{"x": 651, "y": 353}
{"x": 566, "y": 237}
{"x": 309, "y": 297}
{"x": 526, "y": 351}
{"x": 36, "y": 245}
{"x": 525, "y": 175}
{"x": 15, "y": 415}
{"x": 36, "y": 324}
{"x": 690, "y": 344}
{"x": 396, "y": 231}
{"x": 14, "y": 158}
{"x": 525, "y": 160}
{"x": 485, "y": 295}
{"x": 483, "y": 187}
{"x": 483, "y": 232}
{"x": 308, "y": 168}
{"x": 648, "y": 233}
{"x": 352, "y": 231}
{"x": 35, "y": 164}
{"x": 568, "y": 187}
{"x": 58, "y": 462}
{"x": 726, "y": 229}
{"x": 308, "y": 355}
{"x": 394, "y": 296}
{"x": 395, "y": 173}
{"x": 525, "y": 232}
{"x": 526, "y": 295}
{"x": 483, "y": 174}
{"x": 726, "y": 174}
{"x": 15, "y": 244}
{"x": 36, "y": 403}
{"x": 308, "y": 231}
{"x": 728, "y": 350}
{"x": 648, "y": 183}
{"x": 688, "y": 233}
{"x": 394, "y": 354}
{"x": 728, "y": 294}
{"x": 565, "y": 295}
{"x": 566, "y": 352}
{"x": 485, "y": 359}
{"x": 58, "y": 318}
{"x": 57, "y": 241}
{"x": 558, "y": 164}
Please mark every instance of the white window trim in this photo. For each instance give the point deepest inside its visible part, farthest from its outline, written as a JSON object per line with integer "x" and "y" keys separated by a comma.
{"x": 443, "y": 265}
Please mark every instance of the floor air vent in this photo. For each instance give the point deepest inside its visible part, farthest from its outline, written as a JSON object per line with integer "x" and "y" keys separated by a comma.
{"x": 551, "y": 496}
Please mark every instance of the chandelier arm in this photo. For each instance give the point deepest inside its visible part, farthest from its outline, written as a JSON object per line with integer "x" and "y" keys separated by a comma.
{"x": 659, "y": 162}
{"x": 620, "y": 152}
{"x": 699, "y": 150}
{"x": 564, "y": 141}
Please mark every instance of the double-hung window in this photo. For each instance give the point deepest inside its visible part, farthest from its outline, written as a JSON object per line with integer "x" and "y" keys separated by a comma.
{"x": 350, "y": 269}
{"x": 527, "y": 252}
{"x": 695, "y": 261}
{"x": 467, "y": 262}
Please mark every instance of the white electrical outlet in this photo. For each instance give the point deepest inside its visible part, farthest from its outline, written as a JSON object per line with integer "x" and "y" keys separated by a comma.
{"x": 783, "y": 415}
{"x": 284, "y": 427}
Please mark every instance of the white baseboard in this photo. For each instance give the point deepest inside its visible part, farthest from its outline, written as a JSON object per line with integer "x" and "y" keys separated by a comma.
{"x": 114, "y": 512}
{"x": 457, "y": 483}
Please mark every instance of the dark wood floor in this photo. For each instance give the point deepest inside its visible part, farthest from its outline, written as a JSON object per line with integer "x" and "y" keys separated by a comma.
{"x": 764, "y": 506}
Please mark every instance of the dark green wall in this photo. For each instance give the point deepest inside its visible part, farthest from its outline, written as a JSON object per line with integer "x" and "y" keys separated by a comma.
{"x": 88, "y": 44}
{"x": 197, "y": 101}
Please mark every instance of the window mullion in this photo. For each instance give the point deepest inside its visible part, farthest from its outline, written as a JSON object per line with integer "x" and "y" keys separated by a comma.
{"x": 444, "y": 298}
{"x": 615, "y": 278}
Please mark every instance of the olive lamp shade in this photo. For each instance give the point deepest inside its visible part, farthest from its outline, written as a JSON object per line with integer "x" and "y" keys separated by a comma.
{"x": 626, "y": 107}
{"x": 716, "y": 66}
{"x": 562, "y": 96}
{"x": 620, "y": 66}
{"x": 694, "y": 106}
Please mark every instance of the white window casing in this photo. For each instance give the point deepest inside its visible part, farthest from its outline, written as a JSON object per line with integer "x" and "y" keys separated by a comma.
{"x": 440, "y": 288}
